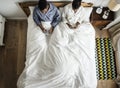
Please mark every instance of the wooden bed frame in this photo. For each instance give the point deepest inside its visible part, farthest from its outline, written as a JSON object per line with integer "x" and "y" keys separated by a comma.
{"x": 25, "y": 5}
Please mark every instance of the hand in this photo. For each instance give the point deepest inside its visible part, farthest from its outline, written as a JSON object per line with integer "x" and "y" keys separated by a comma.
{"x": 76, "y": 25}
{"x": 51, "y": 30}
{"x": 44, "y": 30}
{"x": 70, "y": 26}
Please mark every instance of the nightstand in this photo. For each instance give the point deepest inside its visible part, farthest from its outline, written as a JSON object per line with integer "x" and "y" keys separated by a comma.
{"x": 98, "y": 21}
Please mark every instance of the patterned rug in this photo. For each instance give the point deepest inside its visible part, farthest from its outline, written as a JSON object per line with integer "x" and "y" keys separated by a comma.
{"x": 105, "y": 59}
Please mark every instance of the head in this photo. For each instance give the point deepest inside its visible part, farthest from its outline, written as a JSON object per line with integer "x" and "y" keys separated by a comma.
{"x": 76, "y": 4}
{"x": 43, "y": 6}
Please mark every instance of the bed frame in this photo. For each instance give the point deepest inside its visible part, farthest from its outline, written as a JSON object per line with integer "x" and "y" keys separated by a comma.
{"x": 25, "y": 5}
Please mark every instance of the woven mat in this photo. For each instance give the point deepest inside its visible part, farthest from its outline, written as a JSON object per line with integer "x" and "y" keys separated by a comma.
{"x": 105, "y": 59}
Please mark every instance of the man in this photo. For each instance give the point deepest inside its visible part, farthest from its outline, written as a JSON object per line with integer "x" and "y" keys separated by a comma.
{"x": 46, "y": 12}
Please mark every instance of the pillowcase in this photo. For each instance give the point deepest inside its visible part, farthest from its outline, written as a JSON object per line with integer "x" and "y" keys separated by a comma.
{"x": 61, "y": 9}
{"x": 31, "y": 8}
{"x": 31, "y": 23}
{"x": 87, "y": 13}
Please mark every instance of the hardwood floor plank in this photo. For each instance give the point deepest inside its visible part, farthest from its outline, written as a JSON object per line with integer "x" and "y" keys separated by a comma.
{"x": 106, "y": 84}
{"x": 10, "y": 68}
{"x": 1, "y": 66}
{"x": 11, "y": 39}
{"x": 22, "y": 32}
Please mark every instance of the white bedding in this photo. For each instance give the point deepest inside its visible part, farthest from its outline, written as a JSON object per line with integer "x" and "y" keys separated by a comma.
{"x": 65, "y": 60}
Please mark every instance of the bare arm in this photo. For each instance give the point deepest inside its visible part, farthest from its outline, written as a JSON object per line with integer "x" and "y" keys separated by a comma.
{"x": 51, "y": 29}
{"x": 37, "y": 19}
{"x": 41, "y": 27}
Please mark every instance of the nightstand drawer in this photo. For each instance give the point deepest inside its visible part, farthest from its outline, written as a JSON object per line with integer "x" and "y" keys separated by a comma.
{"x": 100, "y": 23}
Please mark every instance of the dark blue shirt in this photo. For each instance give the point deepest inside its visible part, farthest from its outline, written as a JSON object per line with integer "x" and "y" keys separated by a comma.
{"x": 53, "y": 15}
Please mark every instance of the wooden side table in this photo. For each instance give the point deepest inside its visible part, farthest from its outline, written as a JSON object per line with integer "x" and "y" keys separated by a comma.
{"x": 98, "y": 21}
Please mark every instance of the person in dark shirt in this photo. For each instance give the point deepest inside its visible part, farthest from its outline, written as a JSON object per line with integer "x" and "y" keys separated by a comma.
{"x": 46, "y": 12}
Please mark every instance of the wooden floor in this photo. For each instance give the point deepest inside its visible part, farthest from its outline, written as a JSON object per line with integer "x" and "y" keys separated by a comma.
{"x": 14, "y": 49}
{"x": 12, "y": 55}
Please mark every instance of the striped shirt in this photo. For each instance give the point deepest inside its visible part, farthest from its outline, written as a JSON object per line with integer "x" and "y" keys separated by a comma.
{"x": 53, "y": 15}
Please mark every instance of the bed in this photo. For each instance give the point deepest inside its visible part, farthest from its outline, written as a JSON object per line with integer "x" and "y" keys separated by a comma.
{"x": 65, "y": 59}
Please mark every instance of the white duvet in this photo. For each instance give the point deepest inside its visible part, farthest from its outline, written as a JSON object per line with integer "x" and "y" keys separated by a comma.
{"x": 66, "y": 59}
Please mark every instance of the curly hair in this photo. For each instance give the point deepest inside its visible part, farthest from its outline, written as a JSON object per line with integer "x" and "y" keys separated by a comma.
{"x": 76, "y": 4}
{"x": 42, "y": 4}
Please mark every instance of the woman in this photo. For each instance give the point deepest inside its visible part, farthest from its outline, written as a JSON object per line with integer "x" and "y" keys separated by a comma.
{"x": 74, "y": 14}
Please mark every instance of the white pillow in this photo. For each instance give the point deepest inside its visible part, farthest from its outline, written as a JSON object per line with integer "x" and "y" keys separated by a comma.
{"x": 31, "y": 23}
{"x": 31, "y": 8}
{"x": 88, "y": 11}
{"x": 61, "y": 9}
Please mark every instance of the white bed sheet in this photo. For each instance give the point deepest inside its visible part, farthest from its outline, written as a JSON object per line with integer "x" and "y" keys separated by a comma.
{"x": 66, "y": 61}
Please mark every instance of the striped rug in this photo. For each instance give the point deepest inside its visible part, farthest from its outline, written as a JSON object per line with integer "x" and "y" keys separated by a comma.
{"x": 105, "y": 59}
